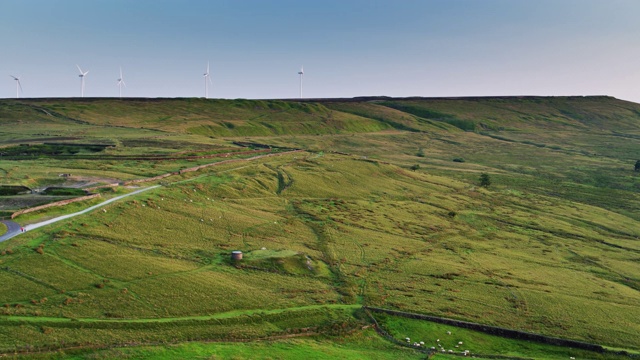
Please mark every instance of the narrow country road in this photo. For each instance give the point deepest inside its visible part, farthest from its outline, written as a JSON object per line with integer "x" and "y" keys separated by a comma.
{"x": 14, "y": 228}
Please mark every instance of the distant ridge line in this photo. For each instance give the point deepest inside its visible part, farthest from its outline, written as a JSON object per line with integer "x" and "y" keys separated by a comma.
{"x": 337, "y": 99}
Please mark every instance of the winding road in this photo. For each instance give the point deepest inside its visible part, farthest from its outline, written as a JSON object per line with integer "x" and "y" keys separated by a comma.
{"x": 14, "y": 228}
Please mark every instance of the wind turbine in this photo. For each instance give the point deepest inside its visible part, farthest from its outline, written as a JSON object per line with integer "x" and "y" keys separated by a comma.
{"x": 301, "y": 73}
{"x": 18, "y": 85}
{"x": 121, "y": 83}
{"x": 82, "y": 75}
{"x": 207, "y": 81}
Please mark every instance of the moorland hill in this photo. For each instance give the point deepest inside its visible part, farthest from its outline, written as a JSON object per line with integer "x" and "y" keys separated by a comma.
{"x": 336, "y": 203}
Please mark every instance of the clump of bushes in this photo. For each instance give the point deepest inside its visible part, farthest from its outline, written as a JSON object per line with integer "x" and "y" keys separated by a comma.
{"x": 485, "y": 180}
{"x": 459, "y": 160}
{"x": 40, "y": 249}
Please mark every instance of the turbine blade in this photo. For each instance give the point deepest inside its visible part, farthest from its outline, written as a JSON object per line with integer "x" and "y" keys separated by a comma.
{"x": 79, "y": 68}
{"x": 19, "y": 85}
{"x": 14, "y": 78}
{"x": 120, "y": 72}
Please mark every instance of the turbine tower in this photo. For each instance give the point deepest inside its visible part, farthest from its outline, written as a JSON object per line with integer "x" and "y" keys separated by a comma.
{"x": 82, "y": 75}
{"x": 301, "y": 73}
{"x": 207, "y": 81}
{"x": 18, "y": 86}
{"x": 121, "y": 83}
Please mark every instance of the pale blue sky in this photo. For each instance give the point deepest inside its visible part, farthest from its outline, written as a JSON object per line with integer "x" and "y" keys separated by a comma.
{"x": 348, "y": 47}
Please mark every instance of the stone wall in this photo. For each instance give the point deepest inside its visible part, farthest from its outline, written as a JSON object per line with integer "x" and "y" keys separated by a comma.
{"x": 57, "y": 203}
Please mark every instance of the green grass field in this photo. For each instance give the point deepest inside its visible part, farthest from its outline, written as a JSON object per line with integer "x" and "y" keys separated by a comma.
{"x": 550, "y": 247}
{"x": 458, "y": 340}
{"x": 360, "y": 345}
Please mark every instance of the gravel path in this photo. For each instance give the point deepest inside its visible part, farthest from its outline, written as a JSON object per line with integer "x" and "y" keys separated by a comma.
{"x": 14, "y": 228}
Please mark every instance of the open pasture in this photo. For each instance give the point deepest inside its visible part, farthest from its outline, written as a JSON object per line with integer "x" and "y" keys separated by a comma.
{"x": 550, "y": 247}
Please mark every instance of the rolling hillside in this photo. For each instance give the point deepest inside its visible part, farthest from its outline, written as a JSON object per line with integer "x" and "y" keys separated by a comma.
{"x": 380, "y": 206}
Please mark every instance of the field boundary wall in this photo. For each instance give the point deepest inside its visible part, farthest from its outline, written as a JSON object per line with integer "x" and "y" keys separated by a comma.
{"x": 57, "y": 203}
{"x": 199, "y": 167}
{"x": 494, "y": 330}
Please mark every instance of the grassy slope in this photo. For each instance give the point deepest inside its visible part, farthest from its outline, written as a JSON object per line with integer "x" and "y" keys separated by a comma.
{"x": 365, "y": 345}
{"x": 450, "y": 337}
{"x": 554, "y": 237}
{"x": 215, "y": 117}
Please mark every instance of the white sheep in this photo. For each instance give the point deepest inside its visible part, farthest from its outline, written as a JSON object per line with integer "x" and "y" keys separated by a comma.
{"x": 448, "y": 332}
{"x": 421, "y": 342}
{"x": 459, "y": 342}
{"x": 408, "y": 339}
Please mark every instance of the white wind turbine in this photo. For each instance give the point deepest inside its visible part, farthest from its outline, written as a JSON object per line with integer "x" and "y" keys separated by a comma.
{"x": 207, "y": 81}
{"x": 18, "y": 85}
{"x": 121, "y": 83}
{"x": 82, "y": 75}
{"x": 301, "y": 73}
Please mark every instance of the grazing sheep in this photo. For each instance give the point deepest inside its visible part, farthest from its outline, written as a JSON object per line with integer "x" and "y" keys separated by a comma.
{"x": 448, "y": 332}
{"x": 459, "y": 342}
{"x": 438, "y": 340}
{"x": 408, "y": 339}
{"x": 450, "y": 351}
{"x": 433, "y": 348}
{"x": 421, "y": 342}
